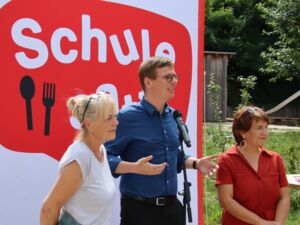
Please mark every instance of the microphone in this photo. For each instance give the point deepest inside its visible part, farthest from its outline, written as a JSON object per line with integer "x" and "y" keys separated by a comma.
{"x": 182, "y": 128}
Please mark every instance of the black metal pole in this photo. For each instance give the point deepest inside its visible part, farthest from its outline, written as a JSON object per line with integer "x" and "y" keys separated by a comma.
{"x": 186, "y": 187}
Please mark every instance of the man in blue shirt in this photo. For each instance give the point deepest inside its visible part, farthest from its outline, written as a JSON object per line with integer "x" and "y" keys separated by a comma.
{"x": 146, "y": 149}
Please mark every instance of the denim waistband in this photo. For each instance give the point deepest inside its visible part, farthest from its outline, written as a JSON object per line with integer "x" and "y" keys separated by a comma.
{"x": 67, "y": 219}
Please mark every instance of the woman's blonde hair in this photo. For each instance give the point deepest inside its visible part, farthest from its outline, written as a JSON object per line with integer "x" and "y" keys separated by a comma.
{"x": 94, "y": 106}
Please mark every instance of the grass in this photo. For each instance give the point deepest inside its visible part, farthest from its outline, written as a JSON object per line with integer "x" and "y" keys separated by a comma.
{"x": 286, "y": 143}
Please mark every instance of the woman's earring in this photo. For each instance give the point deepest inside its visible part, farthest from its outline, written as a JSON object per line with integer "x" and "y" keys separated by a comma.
{"x": 243, "y": 144}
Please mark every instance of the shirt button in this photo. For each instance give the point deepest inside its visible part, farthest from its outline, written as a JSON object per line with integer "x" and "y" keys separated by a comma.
{"x": 168, "y": 182}
{"x": 165, "y": 131}
{"x": 167, "y": 148}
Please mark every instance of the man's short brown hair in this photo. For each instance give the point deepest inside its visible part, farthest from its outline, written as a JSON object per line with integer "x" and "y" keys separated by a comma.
{"x": 149, "y": 66}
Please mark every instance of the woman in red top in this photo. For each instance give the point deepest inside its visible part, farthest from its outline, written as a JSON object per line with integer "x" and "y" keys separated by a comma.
{"x": 251, "y": 182}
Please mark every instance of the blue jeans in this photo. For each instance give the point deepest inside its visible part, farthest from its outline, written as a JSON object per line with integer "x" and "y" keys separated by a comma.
{"x": 67, "y": 219}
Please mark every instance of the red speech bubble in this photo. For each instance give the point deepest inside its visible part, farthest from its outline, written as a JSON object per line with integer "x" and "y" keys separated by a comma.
{"x": 50, "y": 49}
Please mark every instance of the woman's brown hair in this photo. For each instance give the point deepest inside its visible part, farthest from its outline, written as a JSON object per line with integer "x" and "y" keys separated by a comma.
{"x": 243, "y": 118}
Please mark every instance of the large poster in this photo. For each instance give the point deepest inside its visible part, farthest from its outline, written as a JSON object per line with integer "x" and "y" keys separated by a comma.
{"x": 50, "y": 50}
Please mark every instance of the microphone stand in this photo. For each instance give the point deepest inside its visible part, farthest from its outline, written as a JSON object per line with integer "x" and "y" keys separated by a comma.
{"x": 186, "y": 186}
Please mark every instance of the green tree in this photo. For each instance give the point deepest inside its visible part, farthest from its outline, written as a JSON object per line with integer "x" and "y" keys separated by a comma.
{"x": 247, "y": 83}
{"x": 248, "y": 27}
{"x": 237, "y": 26}
{"x": 283, "y": 57}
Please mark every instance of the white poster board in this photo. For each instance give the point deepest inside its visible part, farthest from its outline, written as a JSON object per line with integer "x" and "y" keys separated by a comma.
{"x": 86, "y": 46}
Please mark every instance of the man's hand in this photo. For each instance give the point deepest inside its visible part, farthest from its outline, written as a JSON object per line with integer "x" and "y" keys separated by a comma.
{"x": 206, "y": 165}
{"x": 144, "y": 167}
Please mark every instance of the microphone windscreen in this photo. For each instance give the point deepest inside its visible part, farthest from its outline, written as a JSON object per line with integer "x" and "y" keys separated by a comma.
{"x": 177, "y": 114}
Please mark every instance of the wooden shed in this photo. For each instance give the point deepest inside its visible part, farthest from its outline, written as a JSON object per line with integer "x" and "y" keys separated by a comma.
{"x": 215, "y": 66}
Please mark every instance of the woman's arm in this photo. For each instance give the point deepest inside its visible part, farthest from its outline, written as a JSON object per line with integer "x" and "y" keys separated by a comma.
{"x": 283, "y": 205}
{"x": 68, "y": 182}
{"x": 225, "y": 195}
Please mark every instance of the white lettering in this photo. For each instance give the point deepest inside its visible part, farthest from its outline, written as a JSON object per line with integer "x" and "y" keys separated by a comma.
{"x": 87, "y": 35}
{"x": 162, "y": 48}
{"x": 146, "y": 44}
{"x": 56, "y": 49}
{"x": 29, "y": 43}
{"x": 133, "y": 53}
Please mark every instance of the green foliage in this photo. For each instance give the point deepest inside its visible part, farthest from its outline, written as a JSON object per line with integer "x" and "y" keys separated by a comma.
{"x": 293, "y": 158}
{"x": 293, "y": 218}
{"x": 283, "y": 57}
{"x": 214, "y": 142}
{"x": 213, "y": 212}
{"x": 236, "y": 26}
{"x": 218, "y": 136}
{"x": 295, "y": 199}
{"x": 265, "y": 36}
{"x": 213, "y": 91}
{"x": 247, "y": 84}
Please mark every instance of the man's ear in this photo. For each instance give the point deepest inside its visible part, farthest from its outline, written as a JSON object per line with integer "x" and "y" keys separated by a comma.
{"x": 147, "y": 82}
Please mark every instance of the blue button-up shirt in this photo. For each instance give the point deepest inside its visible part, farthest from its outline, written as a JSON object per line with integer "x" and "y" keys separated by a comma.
{"x": 143, "y": 131}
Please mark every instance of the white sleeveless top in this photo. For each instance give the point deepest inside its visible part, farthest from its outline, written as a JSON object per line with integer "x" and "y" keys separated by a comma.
{"x": 92, "y": 204}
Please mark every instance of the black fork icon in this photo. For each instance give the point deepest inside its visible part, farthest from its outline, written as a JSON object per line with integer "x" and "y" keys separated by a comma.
{"x": 48, "y": 102}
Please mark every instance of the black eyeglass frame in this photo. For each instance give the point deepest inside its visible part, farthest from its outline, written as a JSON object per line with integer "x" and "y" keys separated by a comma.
{"x": 170, "y": 76}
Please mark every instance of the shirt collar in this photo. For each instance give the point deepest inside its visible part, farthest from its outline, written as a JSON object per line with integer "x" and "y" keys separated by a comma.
{"x": 234, "y": 151}
{"x": 263, "y": 150}
{"x": 151, "y": 108}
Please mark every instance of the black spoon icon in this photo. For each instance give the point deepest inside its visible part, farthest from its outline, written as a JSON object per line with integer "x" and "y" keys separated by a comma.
{"x": 27, "y": 90}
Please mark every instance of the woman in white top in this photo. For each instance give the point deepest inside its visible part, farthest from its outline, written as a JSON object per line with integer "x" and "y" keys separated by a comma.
{"x": 84, "y": 190}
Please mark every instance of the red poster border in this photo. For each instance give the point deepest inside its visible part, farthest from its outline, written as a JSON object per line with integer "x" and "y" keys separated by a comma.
{"x": 201, "y": 16}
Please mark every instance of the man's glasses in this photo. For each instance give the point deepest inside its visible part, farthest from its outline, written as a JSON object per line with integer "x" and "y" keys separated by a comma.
{"x": 170, "y": 77}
